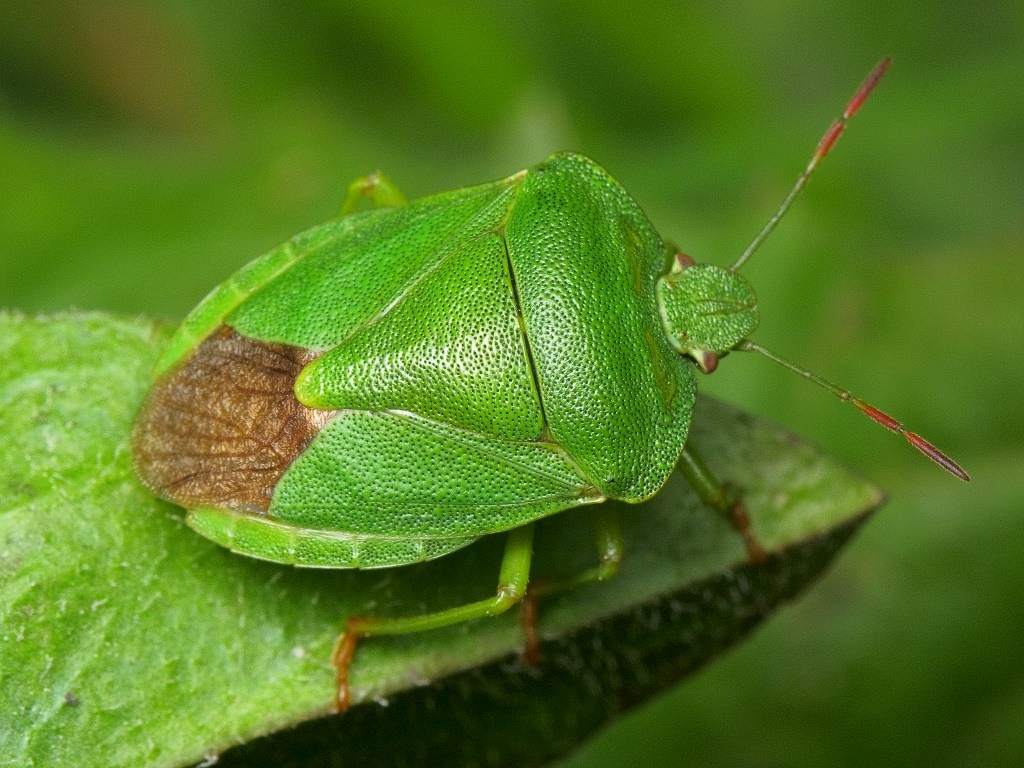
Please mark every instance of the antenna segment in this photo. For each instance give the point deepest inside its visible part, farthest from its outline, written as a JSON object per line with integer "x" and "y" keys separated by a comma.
{"x": 824, "y": 147}
{"x": 870, "y": 411}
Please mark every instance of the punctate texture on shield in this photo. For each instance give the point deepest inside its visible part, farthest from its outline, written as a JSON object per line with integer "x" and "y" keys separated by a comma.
{"x": 462, "y": 365}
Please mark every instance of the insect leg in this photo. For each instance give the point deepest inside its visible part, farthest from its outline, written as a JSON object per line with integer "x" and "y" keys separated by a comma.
{"x": 608, "y": 537}
{"x": 377, "y": 188}
{"x": 610, "y": 547}
{"x": 512, "y": 581}
{"x": 718, "y": 496}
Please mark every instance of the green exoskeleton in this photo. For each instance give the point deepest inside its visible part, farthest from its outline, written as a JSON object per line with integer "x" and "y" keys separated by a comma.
{"x": 387, "y": 387}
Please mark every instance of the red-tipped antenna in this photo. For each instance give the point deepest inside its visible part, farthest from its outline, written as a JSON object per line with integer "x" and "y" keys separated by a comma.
{"x": 824, "y": 147}
{"x": 878, "y": 416}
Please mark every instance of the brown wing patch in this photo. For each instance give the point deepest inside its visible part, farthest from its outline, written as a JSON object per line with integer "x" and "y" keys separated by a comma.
{"x": 223, "y": 427}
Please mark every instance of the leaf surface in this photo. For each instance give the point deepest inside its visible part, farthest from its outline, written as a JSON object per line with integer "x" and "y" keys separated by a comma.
{"x": 127, "y": 640}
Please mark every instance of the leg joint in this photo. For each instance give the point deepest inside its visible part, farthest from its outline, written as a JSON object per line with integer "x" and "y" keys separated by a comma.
{"x": 508, "y": 595}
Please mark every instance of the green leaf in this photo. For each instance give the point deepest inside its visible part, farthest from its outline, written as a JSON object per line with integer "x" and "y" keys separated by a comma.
{"x": 127, "y": 640}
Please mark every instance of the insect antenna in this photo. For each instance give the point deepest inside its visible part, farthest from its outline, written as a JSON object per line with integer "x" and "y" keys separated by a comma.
{"x": 825, "y": 145}
{"x": 870, "y": 411}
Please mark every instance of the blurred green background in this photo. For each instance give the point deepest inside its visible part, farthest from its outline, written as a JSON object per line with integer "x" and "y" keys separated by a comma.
{"x": 148, "y": 149}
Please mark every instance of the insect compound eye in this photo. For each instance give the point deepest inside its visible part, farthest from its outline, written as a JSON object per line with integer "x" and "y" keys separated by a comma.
{"x": 684, "y": 261}
{"x": 706, "y": 360}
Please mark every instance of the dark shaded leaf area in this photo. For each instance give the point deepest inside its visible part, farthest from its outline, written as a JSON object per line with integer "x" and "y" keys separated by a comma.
{"x": 504, "y": 714}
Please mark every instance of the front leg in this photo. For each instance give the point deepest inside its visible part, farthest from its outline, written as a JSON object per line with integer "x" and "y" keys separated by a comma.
{"x": 719, "y": 497}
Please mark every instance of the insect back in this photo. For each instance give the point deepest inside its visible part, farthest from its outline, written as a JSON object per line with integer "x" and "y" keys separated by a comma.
{"x": 392, "y": 385}
{"x": 387, "y": 387}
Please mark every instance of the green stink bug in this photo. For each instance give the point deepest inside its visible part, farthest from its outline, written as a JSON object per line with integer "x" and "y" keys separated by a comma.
{"x": 388, "y": 387}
